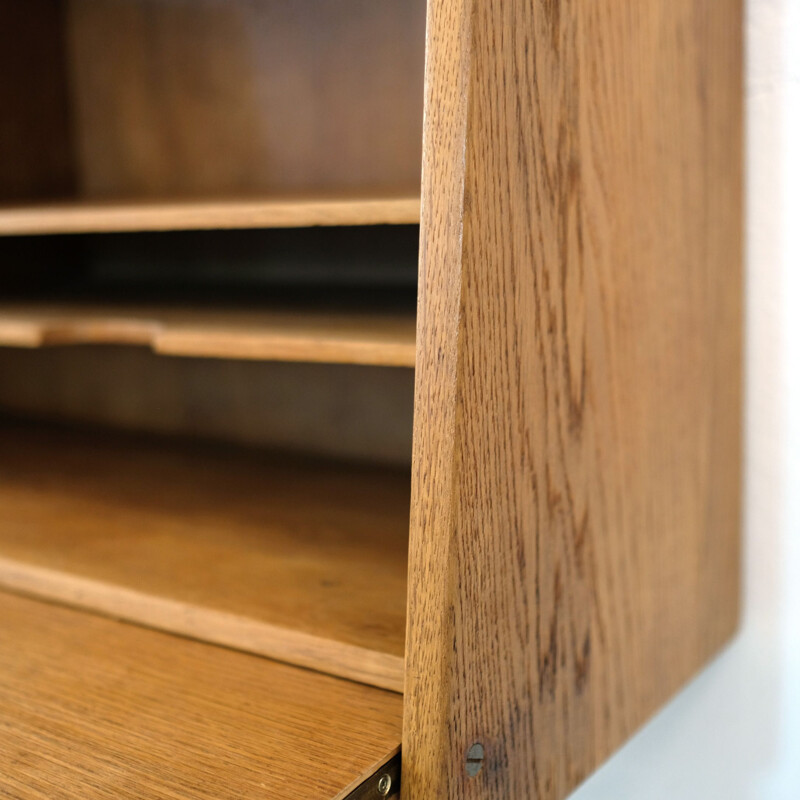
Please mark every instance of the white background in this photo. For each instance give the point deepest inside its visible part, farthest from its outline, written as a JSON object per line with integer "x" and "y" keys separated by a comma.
{"x": 734, "y": 733}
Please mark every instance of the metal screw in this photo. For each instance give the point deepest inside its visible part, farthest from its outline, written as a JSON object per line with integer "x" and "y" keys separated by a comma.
{"x": 474, "y": 759}
{"x": 385, "y": 785}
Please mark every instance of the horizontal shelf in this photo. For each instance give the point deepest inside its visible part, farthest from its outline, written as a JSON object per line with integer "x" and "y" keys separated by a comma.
{"x": 292, "y": 212}
{"x": 302, "y": 561}
{"x": 97, "y": 708}
{"x": 313, "y": 336}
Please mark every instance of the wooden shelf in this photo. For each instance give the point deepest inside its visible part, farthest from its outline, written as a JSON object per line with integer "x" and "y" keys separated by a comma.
{"x": 94, "y": 708}
{"x": 292, "y": 212}
{"x": 301, "y": 561}
{"x": 343, "y": 338}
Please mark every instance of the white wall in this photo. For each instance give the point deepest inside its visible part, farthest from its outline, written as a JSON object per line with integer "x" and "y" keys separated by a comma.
{"x": 734, "y": 733}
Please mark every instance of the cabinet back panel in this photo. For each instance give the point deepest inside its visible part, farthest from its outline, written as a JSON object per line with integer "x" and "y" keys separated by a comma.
{"x": 350, "y": 412}
{"x": 225, "y": 97}
{"x": 35, "y": 154}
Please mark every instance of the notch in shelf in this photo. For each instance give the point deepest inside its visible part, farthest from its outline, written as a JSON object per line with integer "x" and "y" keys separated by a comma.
{"x": 312, "y": 336}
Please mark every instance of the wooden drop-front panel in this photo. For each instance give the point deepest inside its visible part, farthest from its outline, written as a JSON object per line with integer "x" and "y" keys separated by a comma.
{"x": 93, "y": 709}
{"x": 575, "y": 512}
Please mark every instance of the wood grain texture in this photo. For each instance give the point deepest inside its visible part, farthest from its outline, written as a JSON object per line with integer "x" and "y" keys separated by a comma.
{"x": 337, "y": 411}
{"x": 314, "y": 336}
{"x": 301, "y": 561}
{"x": 216, "y": 97}
{"x": 92, "y": 708}
{"x": 575, "y": 512}
{"x": 133, "y": 215}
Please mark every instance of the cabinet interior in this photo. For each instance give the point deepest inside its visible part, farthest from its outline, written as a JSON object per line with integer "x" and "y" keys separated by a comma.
{"x": 208, "y": 282}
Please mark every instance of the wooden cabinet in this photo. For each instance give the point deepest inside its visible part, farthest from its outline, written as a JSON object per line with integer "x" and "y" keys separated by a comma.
{"x": 305, "y": 464}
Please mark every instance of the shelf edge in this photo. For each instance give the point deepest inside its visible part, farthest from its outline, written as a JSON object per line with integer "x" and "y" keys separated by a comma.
{"x": 77, "y": 217}
{"x": 382, "y": 670}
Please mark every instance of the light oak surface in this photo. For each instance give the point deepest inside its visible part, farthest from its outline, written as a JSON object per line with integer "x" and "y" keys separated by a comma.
{"x": 208, "y": 100}
{"x": 290, "y": 212}
{"x": 93, "y": 709}
{"x": 314, "y": 336}
{"x": 301, "y": 561}
{"x": 575, "y": 513}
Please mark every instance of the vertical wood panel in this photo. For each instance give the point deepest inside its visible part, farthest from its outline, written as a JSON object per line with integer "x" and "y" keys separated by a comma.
{"x": 35, "y": 137}
{"x": 574, "y": 552}
{"x": 245, "y": 96}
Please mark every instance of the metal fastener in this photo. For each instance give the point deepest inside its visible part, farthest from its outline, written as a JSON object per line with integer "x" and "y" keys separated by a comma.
{"x": 385, "y": 785}
{"x": 474, "y": 759}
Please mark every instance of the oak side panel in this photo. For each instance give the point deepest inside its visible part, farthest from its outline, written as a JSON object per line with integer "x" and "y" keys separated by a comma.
{"x": 575, "y": 512}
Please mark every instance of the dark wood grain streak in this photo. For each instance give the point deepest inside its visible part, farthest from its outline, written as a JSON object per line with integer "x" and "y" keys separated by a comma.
{"x": 575, "y": 512}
